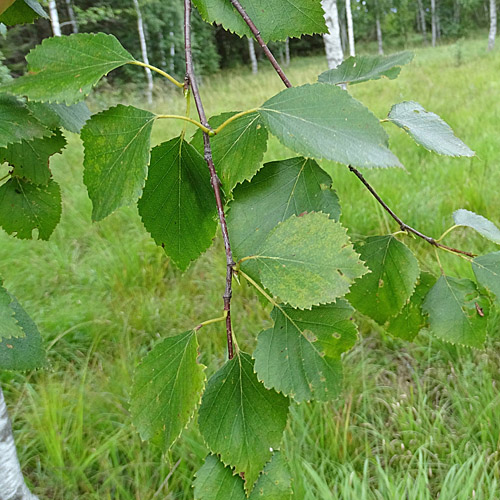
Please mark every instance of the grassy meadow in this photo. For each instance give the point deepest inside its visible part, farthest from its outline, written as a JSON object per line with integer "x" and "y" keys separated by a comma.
{"x": 415, "y": 421}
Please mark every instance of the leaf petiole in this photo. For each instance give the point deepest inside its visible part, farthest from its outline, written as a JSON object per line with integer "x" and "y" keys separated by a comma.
{"x": 210, "y": 322}
{"x": 234, "y": 117}
{"x": 449, "y": 230}
{"x": 160, "y": 72}
{"x": 190, "y": 120}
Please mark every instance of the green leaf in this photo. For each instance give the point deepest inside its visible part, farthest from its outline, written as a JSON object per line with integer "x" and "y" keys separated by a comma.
{"x": 117, "y": 143}
{"x": 300, "y": 355}
{"x": 308, "y": 261}
{"x": 54, "y": 115}
{"x": 278, "y": 191}
{"x": 364, "y": 68}
{"x": 215, "y": 481}
{"x": 275, "y": 20}
{"x": 240, "y": 419}
{"x": 178, "y": 204}
{"x": 275, "y": 482}
{"x": 64, "y": 69}
{"x": 487, "y": 271}
{"x": 31, "y": 158}
{"x": 167, "y": 388}
{"x": 394, "y": 272}
{"x": 479, "y": 223}
{"x": 238, "y": 149}
{"x": 9, "y": 327}
{"x": 428, "y": 129}
{"x": 26, "y": 352}
{"x": 22, "y": 12}
{"x": 25, "y": 206}
{"x": 408, "y": 323}
{"x": 457, "y": 312}
{"x": 324, "y": 121}
{"x": 17, "y": 123}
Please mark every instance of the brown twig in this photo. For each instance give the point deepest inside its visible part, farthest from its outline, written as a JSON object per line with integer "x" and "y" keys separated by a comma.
{"x": 256, "y": 33}
{"x": 402, "y": 225}
{"x": 190, "y": 81}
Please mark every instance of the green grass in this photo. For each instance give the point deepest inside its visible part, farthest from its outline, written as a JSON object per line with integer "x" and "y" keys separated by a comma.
{"x": 415, "y": 421}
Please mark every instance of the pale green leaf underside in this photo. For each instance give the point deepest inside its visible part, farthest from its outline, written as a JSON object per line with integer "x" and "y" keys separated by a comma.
{"x": 65, "y": 69}
{"x": 54, "y": 115}
{"x": 324, "y": 121}
{"x": 364, "y": 68}
{"x": 408, "y": 323}
{"x": 117, "y": 143}
{"x": 479, "y": 223}
{"x": 31, "y": 158}
{"x": 167, "y": 387}
{"x": 308, "y": 260}
{"x": 17, "y": 123}
{"x": 25, "y": 352}
{"x": 275, "y": 20}
{"x": 278, "y": 191}
{"x": 487, "y": 271}
{"x": 214, "y": 481}
{"x": 238, "y": 149}
{"x": 9, "y": 327}
{"x": 428, "y": 129}
{"x": 453, "y": 307}
{"x": 22, "y": 12}
{"x": 25, "y": 206}
{"x": 240, "y": 419}
{"x": 178, "y": 204}
{"x": 300, "y": 355}
{"x": 394, "y": 272}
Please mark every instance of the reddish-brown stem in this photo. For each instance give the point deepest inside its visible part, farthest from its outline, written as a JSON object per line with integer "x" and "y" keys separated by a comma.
{"x": 402, "y": 225}
{"x": 190, "y": 81}
{"x": 256, "y": 33}
{"x": 276, "y": 66}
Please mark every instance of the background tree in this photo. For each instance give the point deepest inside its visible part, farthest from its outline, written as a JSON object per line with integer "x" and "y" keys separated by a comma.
{"x": 493, "y": 24}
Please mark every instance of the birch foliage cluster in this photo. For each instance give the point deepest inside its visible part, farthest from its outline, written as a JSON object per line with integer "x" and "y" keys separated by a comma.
{"x": 284, "y": 226}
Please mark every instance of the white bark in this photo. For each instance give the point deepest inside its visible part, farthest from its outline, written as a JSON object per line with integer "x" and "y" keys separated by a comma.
{"x": 422, "y": 21}
{"x": 333, "y": 45}
{"x": 12, "y": 486}
{"x": 144, "y": 50}
{"x": 253, "y": 57}
{"x": 172, "y": 53}
{"x": 493, "y": 24}
{"x": 72, "y": 16}
{"x": 379, "y": 36}
{"x": 434, "y": 22}
{"x": 54, "y": 18}
{"x": 350, "y": 28}
{"x": 287, "y": 52}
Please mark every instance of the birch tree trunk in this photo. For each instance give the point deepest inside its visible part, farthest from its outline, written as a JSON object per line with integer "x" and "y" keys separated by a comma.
{"x": 144, "y": 50}
{"x": 493, "y": 24}
{"x": 172, "y": 52}
{"x": 333, "y": 45}
{"x": 350, "y": 28}
{"x": 422, "y": 21}
{"x": 379, "y": 35}
{"x": 434, "y": 22}
{"x": 72, "y": 16}
{"x": 54, "y": 18}
{"x": 287, "y": 52}
{"x": 12, "y": 486}
{"x": 253, "y": 57}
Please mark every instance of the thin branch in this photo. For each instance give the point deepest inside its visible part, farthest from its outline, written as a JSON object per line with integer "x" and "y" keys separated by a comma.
{"x": 405, "y": 227}
{"x": 190, "y": 81}
{"x": 256, "y": 33}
